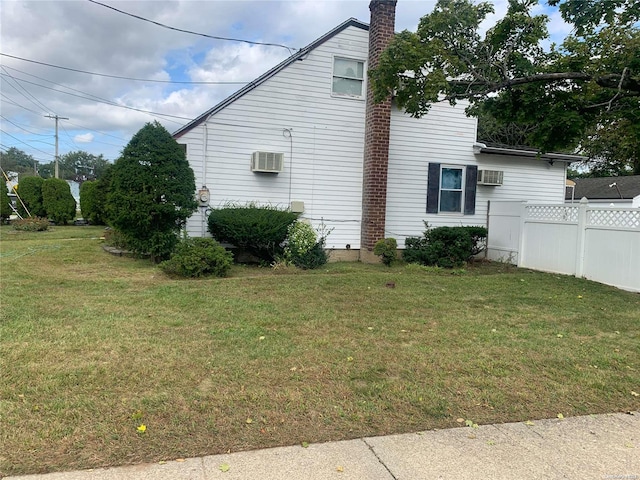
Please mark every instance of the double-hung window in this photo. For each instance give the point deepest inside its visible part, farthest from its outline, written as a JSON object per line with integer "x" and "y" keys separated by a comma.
{"x": 348, "y": 77}
{"x": 452, "y": 189}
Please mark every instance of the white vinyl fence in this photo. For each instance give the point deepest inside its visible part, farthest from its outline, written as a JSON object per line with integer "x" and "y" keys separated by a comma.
{"x": 598, "y": 243}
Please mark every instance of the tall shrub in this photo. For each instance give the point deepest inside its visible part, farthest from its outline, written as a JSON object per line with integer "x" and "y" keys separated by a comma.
{"x": 58, "y": 201}
{"x": 151, "y": 192}
{"x": 260, "y": 231}
{"x": 5, "y": 209}
{"x": 92, "y": 202}
{"x": 30, "y": 191}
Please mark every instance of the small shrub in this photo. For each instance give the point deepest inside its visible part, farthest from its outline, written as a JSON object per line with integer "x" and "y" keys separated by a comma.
{"x": 386, "y": 249}
{"x": 448, "y": 247}
{"x": 304, "y": 249}
{"x": 198, "y": 257}
{"x": 31, "y": 224}
{"x": 260, "y": 231}
{"x": 116, "y": 239}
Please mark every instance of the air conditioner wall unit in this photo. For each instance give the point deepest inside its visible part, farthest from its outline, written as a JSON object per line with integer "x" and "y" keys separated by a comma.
{"x": 490, "y": 177}
{"x": 268, "y": 162}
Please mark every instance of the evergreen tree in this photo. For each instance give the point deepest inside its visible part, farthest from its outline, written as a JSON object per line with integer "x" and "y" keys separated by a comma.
{"x": 30, "y": 192}
{"x": 151, "y": 192}
{"x": 58, "y": 201}
{"x": 5, "y": 209}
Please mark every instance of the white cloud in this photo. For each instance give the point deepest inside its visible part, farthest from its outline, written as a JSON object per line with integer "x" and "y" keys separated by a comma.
{"x": 83, "y": 138}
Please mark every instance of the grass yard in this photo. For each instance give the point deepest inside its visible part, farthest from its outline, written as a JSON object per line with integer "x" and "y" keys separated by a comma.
{"x": 94, "y": 346}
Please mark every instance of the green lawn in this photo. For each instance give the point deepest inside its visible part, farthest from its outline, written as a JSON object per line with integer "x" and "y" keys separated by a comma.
{"x": 93, "y": 346}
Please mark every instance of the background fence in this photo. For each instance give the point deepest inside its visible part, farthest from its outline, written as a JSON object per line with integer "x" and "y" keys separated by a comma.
{"x": 598, "y": 243}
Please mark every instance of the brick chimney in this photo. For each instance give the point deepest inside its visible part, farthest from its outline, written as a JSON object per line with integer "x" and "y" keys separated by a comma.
{"x": 376, "y": 136}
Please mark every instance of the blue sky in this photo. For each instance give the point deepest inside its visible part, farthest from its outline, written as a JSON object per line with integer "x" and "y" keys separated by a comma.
{"x": 85, "y": 36}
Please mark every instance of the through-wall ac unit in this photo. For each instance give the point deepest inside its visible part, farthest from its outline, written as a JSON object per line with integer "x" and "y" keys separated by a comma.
{"x": 490, "y": 177}
{"x": 268, "y": 162}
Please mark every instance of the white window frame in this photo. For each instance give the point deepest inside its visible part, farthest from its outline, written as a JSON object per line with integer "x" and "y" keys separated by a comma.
{"x": 463, "y": 169}
{"x": 363, "y": 79}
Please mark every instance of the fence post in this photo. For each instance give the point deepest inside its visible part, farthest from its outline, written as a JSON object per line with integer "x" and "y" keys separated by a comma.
{"x": 582, "y": 233}
{"x": 521, "y": 240}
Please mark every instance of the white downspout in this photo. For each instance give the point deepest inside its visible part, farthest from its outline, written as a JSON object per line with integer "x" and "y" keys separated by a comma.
{"x": 205, "y": 140}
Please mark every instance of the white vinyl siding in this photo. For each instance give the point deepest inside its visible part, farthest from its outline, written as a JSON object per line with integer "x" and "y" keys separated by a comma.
{"x": 323, "y": 156}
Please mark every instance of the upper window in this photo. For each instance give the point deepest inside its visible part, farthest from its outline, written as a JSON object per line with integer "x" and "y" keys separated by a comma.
{"x": 348, "y": 77}
{"x": 452, "y": 188}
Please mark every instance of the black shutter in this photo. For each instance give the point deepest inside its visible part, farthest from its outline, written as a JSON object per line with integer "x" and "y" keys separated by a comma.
{"x": 433, "y": 188}
{"x": 470, "y": 184}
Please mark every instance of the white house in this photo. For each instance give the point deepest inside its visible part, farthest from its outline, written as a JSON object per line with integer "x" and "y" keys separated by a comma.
{"x": 367, "y": 171}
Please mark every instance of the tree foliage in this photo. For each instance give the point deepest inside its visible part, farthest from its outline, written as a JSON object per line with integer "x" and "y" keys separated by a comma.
{"x": 568, "y": 94}
{"x": 151, "y": 192}
{"x": 30, "y": 192}
{"x": 15, "y": 160}
{"x": 58, "y": 201}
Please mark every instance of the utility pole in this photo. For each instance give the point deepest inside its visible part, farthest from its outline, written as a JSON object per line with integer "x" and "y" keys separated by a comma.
{"x": 56, "y": 118}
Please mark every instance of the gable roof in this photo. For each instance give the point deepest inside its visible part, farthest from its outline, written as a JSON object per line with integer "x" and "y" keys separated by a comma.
{"x": 300, "y": 55}
{"x": 609, "y": 188}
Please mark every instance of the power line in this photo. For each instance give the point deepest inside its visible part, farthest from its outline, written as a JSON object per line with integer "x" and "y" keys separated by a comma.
{"x": 97, "y": 131}
{"x": 30, "y": 146}
{"x": 102, "y": 100}
{"x": 289, "y": 49}
{"x": 10, "y": 100}
{"x": 24, "y": 129}
{"x": 33, "y": 99}
{"x": 118, "y": 76}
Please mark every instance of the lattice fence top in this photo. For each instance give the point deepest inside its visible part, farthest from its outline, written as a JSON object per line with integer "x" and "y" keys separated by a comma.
{"x": 555, "y": 213}
{"x": 614, "y": 218}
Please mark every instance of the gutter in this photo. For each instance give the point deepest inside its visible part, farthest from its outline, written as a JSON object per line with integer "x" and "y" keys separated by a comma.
{"x": 479, "y": 148}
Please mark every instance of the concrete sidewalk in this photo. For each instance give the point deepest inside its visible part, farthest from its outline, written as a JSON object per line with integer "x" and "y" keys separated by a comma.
{"x": 603, "y": 447}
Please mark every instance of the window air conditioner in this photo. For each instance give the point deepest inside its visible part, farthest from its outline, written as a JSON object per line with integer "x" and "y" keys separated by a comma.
{"x": 490, "y": 177}
{"x": 266, "y": 162}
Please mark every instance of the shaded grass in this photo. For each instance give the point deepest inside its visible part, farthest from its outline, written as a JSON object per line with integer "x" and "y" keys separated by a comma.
{"x": 94, "y": 345}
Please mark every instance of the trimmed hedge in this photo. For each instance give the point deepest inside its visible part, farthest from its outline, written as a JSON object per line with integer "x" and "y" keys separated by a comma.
{"x": 30, "y": 191}
{"x": 260, "y": 231}
{"x": 58, "y": 201}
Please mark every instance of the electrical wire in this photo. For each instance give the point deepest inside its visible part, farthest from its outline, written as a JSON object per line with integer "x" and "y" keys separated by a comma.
{"x": 102, "y": 100}
{"x": 97, "y": 131}
{"x": 250, "y": 42}
{"x": 30, "y": 146}
{"x": 33, "y": 99}
{"x": 10, "y": 100}
{"x": 118, "y": 76}
{"x": 24, "y": 129}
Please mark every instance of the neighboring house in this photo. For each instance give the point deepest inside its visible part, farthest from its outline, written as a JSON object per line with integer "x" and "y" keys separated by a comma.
{"x": 619, "y": 191}
{"x": 367, "y": 171}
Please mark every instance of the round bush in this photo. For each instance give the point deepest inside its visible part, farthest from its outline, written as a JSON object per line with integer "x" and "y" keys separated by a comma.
{"x": 198, "y": 257}
{"x": 304, "y": 249}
